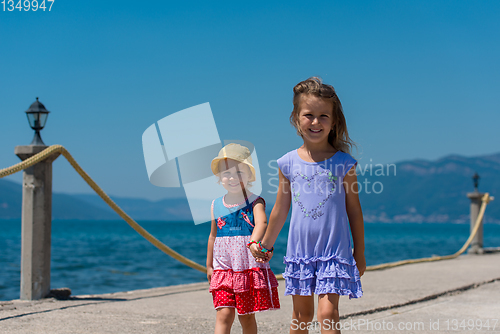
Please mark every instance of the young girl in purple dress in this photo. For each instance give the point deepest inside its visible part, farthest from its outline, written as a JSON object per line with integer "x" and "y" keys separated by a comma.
{"x": 319, "y": 181}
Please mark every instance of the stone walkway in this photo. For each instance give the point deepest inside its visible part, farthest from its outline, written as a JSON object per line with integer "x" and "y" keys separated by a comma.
{"x": 452, "y": 296}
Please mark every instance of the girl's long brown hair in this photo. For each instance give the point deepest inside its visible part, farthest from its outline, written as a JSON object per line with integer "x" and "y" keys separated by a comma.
{"x": 338, "y": 136}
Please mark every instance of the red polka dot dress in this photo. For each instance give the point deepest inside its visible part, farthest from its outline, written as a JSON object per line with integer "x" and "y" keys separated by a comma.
{"x": 238, "y": 280}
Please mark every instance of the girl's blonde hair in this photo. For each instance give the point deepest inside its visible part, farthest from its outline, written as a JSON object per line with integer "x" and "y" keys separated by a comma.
{"x": 338, "y": 136}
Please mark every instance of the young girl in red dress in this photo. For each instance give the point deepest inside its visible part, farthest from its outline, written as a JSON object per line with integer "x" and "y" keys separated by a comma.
{"x": 238, "y": 281}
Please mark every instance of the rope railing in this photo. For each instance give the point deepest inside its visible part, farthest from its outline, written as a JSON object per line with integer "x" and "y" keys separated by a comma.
{"x": 485, "y": 200}
{"x": 58, "y": 149}
{"x": 138, "y": 228}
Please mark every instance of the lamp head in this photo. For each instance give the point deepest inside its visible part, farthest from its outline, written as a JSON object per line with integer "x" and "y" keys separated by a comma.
{"x": 475, "y": 178}
{"x": 37, "y": 115}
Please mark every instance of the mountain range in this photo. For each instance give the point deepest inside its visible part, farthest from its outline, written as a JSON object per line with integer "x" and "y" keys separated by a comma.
{"x": 432, "y": 191}
{"x": 406, "y": 191}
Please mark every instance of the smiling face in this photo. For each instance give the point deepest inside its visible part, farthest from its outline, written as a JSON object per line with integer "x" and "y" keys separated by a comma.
{"x": 234, "y": 175}
{"x": 315, "y": 119}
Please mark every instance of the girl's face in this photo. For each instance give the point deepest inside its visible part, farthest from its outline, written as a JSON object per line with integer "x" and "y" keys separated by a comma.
{"x": 234, "y": 175}
{"x": 315, "y": 118}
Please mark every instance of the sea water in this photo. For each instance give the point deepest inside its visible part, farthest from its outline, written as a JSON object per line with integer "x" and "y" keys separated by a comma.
{"x": 95, "y": 257}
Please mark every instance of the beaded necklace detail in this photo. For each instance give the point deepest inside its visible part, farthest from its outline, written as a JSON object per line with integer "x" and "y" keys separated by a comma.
{"x": 329, "y": 190}
{"x": 232, "y": 205}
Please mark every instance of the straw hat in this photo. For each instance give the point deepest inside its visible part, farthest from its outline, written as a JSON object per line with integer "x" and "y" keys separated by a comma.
{"x": 234, "y": 152}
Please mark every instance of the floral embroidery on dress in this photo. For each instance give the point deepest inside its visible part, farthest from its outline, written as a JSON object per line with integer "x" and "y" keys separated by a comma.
{"x": 220, "y": 222}
{"x": 320, "y": 186}
{"x": 245, "y": 216}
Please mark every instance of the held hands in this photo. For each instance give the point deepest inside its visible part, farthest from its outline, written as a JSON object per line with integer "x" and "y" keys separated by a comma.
{"x": 268, "y": 256}
{"x": 258, "y": 254}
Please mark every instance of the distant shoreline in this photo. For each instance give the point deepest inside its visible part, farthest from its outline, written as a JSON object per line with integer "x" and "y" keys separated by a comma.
{"x": 494, "y": 222}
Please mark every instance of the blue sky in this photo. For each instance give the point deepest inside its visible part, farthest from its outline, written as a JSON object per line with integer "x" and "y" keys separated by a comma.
{"x": 417, "y": 79}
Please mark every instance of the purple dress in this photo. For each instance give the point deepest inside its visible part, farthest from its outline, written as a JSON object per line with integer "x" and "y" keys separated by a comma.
{"x": 319, "y": 255}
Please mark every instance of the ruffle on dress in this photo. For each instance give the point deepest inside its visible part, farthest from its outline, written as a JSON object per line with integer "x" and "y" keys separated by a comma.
{"x": 241, "y": 281}
{"x": 288, "y": 259}
{"x": 322, "y": 275}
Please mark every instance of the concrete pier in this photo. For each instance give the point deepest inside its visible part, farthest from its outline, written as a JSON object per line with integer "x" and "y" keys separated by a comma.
{"x": 476, "y": 246}
{"x": 36, "y": 224}
{"x": 432, "y": 297}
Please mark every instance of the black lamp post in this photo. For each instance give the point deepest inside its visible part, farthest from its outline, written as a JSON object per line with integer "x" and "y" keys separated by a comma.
{"x": 37, "y": 117}
{"x": 475, "y": 178}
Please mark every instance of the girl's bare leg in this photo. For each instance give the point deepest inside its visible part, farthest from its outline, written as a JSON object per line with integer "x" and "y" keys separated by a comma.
{"x": 248, "y": 323}
{"x": 328, "y": 313}
{"x": 303, "y": 313}
{"x": 224, "y": 320}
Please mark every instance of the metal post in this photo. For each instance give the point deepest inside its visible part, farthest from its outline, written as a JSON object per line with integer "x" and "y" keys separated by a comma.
{"x": 476, "y": 246}
{"x": 36, "y": 224}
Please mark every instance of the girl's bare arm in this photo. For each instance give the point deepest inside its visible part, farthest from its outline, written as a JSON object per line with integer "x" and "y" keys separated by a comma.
{"x": 279, "y": 212}
{"x": 260, "y": 221}
{"x": 355, "y": 215}
{"x": 210, "y": 247}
